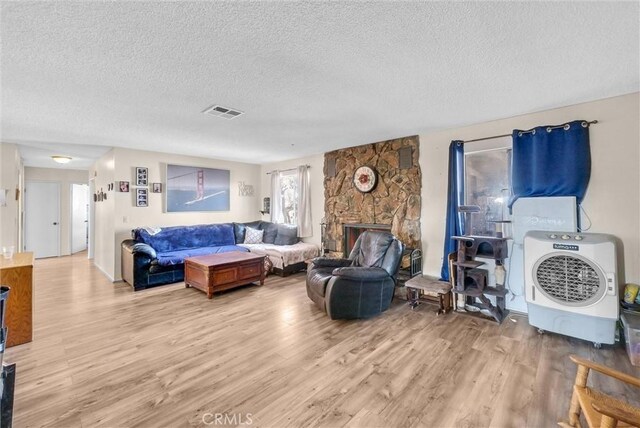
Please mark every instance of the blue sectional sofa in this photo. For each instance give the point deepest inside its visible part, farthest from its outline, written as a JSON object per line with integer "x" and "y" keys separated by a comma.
{"x": 155, "y": 256}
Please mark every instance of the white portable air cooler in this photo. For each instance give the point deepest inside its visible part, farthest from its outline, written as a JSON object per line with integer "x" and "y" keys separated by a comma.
{"x": 571, "y": 284}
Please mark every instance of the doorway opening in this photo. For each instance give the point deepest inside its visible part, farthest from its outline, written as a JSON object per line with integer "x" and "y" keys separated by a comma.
{"x": 79, "y": 217}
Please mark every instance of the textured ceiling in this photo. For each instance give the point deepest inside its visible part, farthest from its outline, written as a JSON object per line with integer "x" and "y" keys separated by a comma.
{"x": 37, "y": 154}
{"x": 311, "y": 77}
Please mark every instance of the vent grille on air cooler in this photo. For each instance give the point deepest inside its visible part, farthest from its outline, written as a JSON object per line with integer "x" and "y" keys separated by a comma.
{"x": 569, "y": 279}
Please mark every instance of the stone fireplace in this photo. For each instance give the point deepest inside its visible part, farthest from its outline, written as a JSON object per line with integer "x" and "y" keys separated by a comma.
{"x": 394, "y": 204}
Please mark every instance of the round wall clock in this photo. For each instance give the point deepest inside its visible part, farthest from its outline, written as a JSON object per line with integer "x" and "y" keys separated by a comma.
{"x": 365, "y": 179}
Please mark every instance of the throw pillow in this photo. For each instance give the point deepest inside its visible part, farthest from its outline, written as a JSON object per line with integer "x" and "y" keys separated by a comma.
{"x": 255, "y": 224}
{"x": 238, "y": 231}
{"x": 270, "y": 232}
{"x": 287, "y": 235}
{"x": 253, "y": 236}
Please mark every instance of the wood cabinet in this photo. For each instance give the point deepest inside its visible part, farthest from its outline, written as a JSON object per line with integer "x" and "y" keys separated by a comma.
{"x": 17, "y": 274}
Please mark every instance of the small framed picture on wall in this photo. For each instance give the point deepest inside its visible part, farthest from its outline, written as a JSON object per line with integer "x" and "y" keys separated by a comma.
{"x": 142, "y": 176}
{"x": 142, "y": 198}
{"x": 123, "y": 186}
{"x": 156, "y": 187}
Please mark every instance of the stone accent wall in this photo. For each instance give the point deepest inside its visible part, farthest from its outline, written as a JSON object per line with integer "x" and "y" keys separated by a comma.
{"x": 395, "y": 200}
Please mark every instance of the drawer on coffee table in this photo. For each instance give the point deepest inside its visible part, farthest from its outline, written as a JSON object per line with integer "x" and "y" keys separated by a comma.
{"x": 224, "y": 276}
{"x": 250, "y": 270}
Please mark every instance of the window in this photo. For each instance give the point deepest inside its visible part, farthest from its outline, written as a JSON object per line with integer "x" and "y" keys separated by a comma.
{"x": 488, "y": 185}
{"x": 289, "y": 192}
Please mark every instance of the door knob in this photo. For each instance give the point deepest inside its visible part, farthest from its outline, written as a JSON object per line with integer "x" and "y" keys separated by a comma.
{"x": 55, "y": 223}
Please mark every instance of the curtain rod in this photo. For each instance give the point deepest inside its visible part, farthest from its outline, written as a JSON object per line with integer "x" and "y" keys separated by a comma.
{"x": 290, "y": 169}
{"x": 549, "y": 128}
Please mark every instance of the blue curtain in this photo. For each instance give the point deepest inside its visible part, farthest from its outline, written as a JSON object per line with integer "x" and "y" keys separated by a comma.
{"x": 551, "y": 161}
{"x": 455, "y": 198}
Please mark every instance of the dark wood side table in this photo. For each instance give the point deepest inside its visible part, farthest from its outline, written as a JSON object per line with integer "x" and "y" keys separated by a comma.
{"x": 216, "y": 272}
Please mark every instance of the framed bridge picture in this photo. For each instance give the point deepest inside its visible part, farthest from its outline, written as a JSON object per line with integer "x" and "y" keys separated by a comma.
{"x": 191, "y": 188}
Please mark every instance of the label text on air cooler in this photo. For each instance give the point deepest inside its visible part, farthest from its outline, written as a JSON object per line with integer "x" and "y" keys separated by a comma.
{"x": 566, "y": 247}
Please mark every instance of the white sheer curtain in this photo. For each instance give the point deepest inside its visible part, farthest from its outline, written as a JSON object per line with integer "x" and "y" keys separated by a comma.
{"x": 304, "y": 203}
{"x": 277, "y": 215}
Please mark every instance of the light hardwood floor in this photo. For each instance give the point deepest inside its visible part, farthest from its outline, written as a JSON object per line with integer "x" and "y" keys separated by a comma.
{"x": 103, "y": 355}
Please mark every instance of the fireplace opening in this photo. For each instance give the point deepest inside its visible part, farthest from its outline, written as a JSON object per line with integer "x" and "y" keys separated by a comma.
{"x": 351, "y": 231}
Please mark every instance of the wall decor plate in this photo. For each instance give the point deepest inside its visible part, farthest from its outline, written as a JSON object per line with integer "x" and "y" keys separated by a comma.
{"x": 365, "y": 179}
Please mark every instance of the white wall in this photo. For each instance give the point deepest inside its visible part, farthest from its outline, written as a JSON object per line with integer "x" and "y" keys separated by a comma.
{"x": 11, "y": 173}
{"x": 316, "y": 184}
{"x": 120, "y": 214}
{"x": 66, "y": 177}
{"x": 100, "y": 175}
{"x": 612, "y": 200}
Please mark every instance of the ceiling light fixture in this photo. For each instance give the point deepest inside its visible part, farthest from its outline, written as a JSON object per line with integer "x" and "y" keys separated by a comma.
{"x": 61, "y": 159}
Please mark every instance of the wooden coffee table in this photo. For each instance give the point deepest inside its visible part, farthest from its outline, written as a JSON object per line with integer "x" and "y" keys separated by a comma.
{"x": 222, "y": 271}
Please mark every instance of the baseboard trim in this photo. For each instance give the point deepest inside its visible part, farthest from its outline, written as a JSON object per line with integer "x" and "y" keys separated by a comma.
{"x": 104, "y": 272}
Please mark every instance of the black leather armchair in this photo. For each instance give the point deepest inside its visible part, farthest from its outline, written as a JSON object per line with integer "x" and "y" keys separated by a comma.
{"x": 361, "y": 286}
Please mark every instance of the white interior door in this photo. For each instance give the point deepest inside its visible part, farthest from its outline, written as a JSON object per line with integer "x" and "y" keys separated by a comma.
{"x": 79, "y": 217}
{"x": 42, "y": 218}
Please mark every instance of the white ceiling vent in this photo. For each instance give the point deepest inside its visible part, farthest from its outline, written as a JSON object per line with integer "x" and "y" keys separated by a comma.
{"x": 224, "y": 112}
